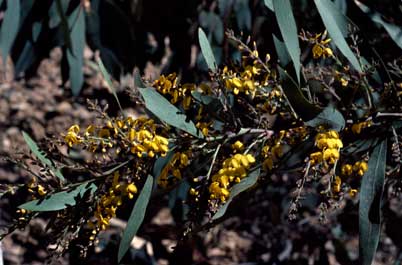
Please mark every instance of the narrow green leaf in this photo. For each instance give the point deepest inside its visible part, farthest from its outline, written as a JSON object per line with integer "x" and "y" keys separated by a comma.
{"x": 328, "y": 15}
{"x": 341, "y": 19}
{"x": 206, "y": 50}
{"x": 281, "y": 51}
{"x": 136, "y": 217}
{"x": 303, "y": 108}
{"x": 244, "y": 185}
{"x": 329, "y": 117}
{"x": 9, "y": 27}
{"x": 288, "y": 28}
{"x": 25, "y": 60}
{"x": 57, "y": 13}
{"x": 40, "y": 155}
{"x": 65, "y": 23}
{"x": 108, "y": 81}
{"x": 138, "y": 81}
{"x": 370, "y": 203}
{"x": 269, "y": 4}
{"x": 59, "y": 200}
{"x": 394, "y": 31}
{"x": 75, "y": 55}
{"x": 167, "y": 112}
{"x": 36, "y": 29}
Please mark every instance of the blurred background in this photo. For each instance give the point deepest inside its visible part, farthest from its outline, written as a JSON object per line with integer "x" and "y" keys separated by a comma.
{"x": 48, "y": 71}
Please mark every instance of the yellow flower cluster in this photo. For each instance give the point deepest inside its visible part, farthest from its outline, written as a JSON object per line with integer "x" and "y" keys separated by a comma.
{"x": 238, "y": 146}
{"x": 320, "y": 48}
{"x": 136, "y": 136}
{"x": 36, "y": 189}
{"x": 359, "y": 168}
{"x": 336, "y": 186}
{"x": 233, "y": 170}
{"x": 168, "y": 85}
{"x": 178, "y": 162}
{"x": 203, "y": 127}
{"x": 272, "y": 153}
{"x": 358, "y": 127}
{"x": 72, "y": 136}
{"x": 245, "y": 82}
{"x": 107, "y": 205}
{"x": 329, "y": 145}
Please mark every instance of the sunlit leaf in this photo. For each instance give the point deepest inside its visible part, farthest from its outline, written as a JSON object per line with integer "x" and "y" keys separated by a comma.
{"x": 238, "y": 188}
{"x": 269, "y": 4}
{"x": 281, "y": 51}
{"x": 59, "y": 200}
{"x": 288, "y": 28}
{"x": 106, "y": 75}
{"x": 329, "y": 16}
{"x": 40, "y": 155}
{"x": 165, "y": 111}
{"x": 206, "y": 50}
{"x": 136, "y": 217}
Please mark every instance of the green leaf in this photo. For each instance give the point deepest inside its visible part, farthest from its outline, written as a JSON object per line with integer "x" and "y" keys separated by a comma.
{"x": 303, "y": 108}
{"x": 55, "y": 16}
{"x": 341, "y": 20}
{"x": 166, "y": 112}
{"x": 9, "y": 27}
{"x": 136, "y": 217}
{"x": 59, "y": 200}
{"x": 329, "y": 16}
{"x": 206, "y": 50}
{"x": 108, "y": 81}
{"x": 138, "y": 81}
{"x": 61, "y": 8}
{"x": 329, "y": 117}
{"x": 287, "y": 26}
{"x": 40, "y": 155}
{"x": 75, "y": 55}
{"x": 371, "y": 191}
{"x": 394, "y": 31}
{"x": 281, "y": 51}
{"x": 360, "y": 146}
{"x": 243, "y": 185}
{"x": 269, "y": 4}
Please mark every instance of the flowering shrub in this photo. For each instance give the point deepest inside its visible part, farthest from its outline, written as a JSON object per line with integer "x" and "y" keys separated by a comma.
{"x": 331, "y": 125}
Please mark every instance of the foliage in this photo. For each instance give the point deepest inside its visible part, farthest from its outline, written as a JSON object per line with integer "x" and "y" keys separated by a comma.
{"x": 329, "y": 116}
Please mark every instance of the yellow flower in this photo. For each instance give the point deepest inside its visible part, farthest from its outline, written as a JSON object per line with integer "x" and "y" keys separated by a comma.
{"x": 75, "y": 129}
{"x": 41, "y": 190}
{"x": 352, "y": 192}
{"x": 315, "y": 158}
{"x": 344, "y": 82}
{"x": 238, "y": 146}
{"x": 327, "y": 52}
{"x": 331, "y": 155}
{"x": 72, "y": 138}
{"x": 317, "y": 51}
{"x": 347, "y": 170}
{"x": 360, "y": 168}
{"x": 336, "y": 185}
